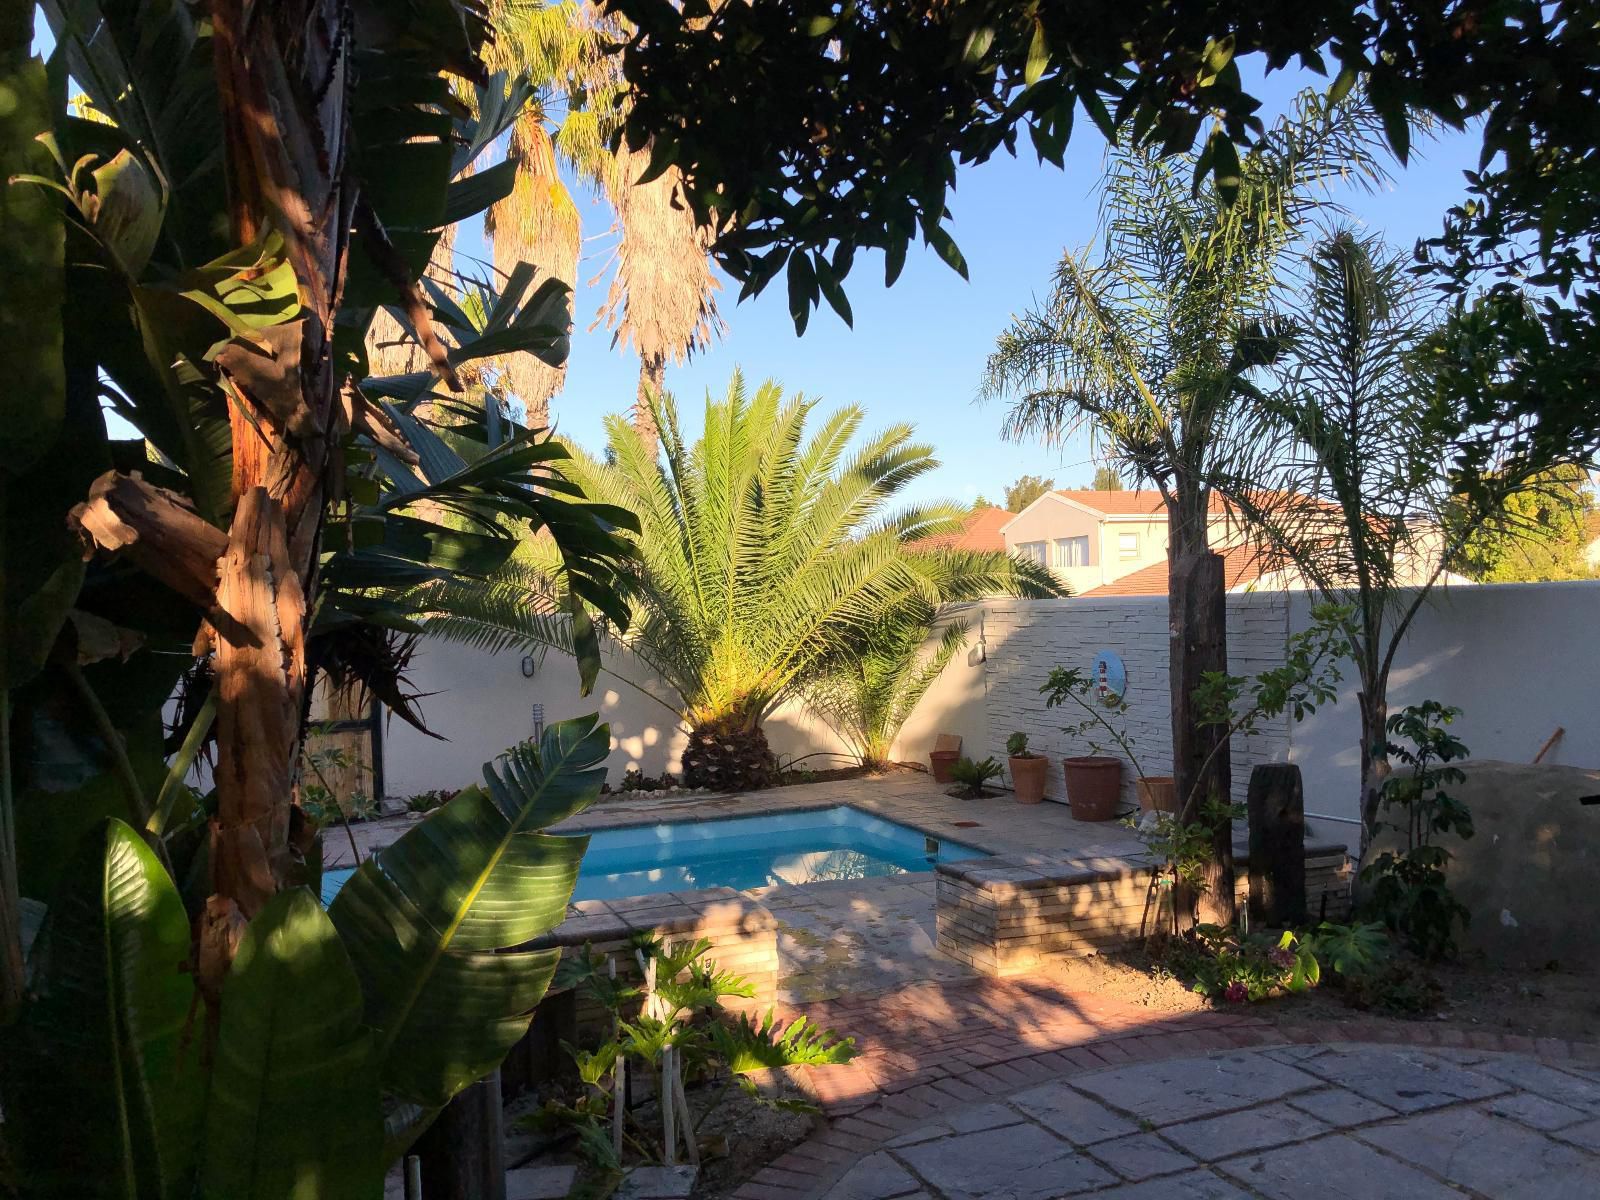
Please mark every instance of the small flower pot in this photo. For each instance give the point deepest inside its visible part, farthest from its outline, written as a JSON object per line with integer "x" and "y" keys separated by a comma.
{"x": 1094, "y": 786}
{"x": 941, "y": 762}
{"x": 1158, "y": 793}
{"x": 1028, "y": 776}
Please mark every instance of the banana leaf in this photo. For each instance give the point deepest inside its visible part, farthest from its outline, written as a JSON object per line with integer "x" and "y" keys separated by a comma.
{"x": 433, "y": 921}
{"x": 102, "y": 1089}
{"x": 293, "y": 1111}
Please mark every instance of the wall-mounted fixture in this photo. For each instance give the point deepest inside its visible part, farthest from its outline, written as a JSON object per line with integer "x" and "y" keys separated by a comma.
{"x": 528, "y": 666}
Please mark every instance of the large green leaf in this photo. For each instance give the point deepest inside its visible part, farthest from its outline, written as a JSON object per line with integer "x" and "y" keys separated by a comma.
{"x": 294, "y": 1111}
{"x": 102, "y": 1091}
{"x": 432, "y": 922}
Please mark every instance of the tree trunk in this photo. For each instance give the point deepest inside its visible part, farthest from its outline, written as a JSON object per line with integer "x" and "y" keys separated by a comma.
{"x": 1200, "y": 765}
{"x": 462, "y": 1152}
{"x": 286, "y": 169}
{"x": 652, "y": 379}
{"x": 1375, "y": 767}
{"x": 728, "y": 754}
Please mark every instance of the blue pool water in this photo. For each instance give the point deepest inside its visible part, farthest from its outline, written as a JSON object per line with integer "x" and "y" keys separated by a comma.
{"x": 747, "y": 852}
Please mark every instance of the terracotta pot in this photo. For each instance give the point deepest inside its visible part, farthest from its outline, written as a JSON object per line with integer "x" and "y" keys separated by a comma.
{"x": 941, "y": 761}
{"x": 1028, "y": 776}
{"x": 1094, "y": 786}
{"x": 1158, "y": 793}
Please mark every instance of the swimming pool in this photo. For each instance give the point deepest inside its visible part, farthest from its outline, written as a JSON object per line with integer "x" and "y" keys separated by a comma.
{"x": 747, "y": 852}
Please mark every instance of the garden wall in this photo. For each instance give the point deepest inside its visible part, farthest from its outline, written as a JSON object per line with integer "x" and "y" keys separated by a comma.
{"x": 1519, "y": 659}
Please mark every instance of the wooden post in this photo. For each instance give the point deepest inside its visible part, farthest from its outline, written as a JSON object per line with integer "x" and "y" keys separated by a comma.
{"x": 462, "y": 1154}
{"x": 1277, "y": 809}
{"x": 1197, "y": 611}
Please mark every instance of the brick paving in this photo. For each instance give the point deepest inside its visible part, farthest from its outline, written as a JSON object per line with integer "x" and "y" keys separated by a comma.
{"x": 1020, "y": 1090}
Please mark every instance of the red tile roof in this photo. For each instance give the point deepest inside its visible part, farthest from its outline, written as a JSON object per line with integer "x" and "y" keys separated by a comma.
{"x": 1144, "y": 502}
{"x": 980, "y": 531}
{"x": 1240, "y": 565}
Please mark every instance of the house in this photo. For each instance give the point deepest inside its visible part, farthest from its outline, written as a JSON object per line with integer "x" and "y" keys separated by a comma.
{"x": 1093, "y": 540}
{"x": 980, "y": 531}
{"x": 1115, "y": 544}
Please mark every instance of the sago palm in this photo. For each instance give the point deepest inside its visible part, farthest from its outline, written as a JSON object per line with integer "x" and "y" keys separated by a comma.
{"x": 768, "y": 556}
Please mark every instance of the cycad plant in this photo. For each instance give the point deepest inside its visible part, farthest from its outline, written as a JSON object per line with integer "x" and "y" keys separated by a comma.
{"x": 768, "y": 557}
{"x": 868, "y": 694}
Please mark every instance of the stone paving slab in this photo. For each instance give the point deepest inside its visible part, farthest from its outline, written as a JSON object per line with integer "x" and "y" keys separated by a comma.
{"x": 1277, "y": 1123}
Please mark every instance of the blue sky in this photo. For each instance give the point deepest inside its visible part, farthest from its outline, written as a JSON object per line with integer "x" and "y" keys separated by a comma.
{"x": 917, "y": 350}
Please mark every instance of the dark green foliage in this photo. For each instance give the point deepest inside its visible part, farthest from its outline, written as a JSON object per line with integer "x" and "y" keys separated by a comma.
{"x": 1017, "y": 745}
{"x": 973, "y": 775}
{"x": 1350, "y": 950}
{"x": 1407, "y": 888}
{"x": 682, "y": 1011}
{"x": 1234, "y": 969}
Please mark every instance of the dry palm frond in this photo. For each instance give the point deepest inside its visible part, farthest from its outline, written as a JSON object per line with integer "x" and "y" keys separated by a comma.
{"x": 538, "y": 224}
{"x": 662, "y": 300}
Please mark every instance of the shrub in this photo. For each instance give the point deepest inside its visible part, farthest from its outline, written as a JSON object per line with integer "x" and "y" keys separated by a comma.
{"x": 974, "y": 775}
{"x": 1407, "y": 890}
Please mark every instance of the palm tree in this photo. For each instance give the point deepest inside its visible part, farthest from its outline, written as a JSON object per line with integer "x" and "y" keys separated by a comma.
{"x": 1152, "y": 345}
{"x": 868, "y": 694}
{"x": 767, "y": 558}
{"x": 661, "y": 301}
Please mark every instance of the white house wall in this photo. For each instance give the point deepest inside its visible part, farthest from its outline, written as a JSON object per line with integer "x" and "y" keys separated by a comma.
{"x": 1521, "y": 660}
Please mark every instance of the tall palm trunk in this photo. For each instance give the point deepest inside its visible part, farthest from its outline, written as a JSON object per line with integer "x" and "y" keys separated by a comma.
{"x": 652, "y": 379}
{"x": 1197, "y": 615}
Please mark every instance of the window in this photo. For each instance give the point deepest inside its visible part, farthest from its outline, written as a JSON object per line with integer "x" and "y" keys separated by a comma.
{"x": 1072, "y": 552}
{"x": 1034, "y": 551}
{"x": 1128, "y": 545}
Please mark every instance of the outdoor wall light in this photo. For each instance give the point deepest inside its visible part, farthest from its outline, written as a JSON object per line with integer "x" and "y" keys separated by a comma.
{"x": 528, "y": 666}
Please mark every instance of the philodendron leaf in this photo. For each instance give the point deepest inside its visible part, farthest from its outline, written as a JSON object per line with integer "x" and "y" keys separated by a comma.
{"x": 294, "y": 1105}
{"x": 432, "y": 921}
{"x": 102, "y": 1092}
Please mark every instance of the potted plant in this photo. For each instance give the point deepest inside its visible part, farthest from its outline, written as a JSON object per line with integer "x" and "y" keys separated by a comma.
{"x": 942, "y": 763}
{"x": 1028, "y": 770}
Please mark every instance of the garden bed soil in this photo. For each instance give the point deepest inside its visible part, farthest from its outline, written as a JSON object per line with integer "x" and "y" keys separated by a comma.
{"x": 1557, "y": 1001}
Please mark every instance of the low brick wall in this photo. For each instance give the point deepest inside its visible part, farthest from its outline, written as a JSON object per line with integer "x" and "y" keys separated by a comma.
{"x": 743, "y": 936}
{"x": 1003, "y": 916}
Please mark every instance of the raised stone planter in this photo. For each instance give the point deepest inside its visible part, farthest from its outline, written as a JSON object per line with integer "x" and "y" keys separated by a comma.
{"x": 1006, "y": 915}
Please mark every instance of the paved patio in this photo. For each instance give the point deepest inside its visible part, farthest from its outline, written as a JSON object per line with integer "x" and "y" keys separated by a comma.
{"x": 1359, "y": 1121}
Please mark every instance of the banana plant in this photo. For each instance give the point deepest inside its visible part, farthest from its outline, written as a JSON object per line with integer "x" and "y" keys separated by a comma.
{"x": 412, "y": 985}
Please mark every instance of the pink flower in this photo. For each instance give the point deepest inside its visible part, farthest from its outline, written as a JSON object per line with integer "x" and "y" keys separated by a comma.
{"x": 1237, "y": 993}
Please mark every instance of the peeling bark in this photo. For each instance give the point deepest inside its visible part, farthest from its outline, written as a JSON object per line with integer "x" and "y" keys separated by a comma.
{"x": 260, "y": 673}
{"x": 156, "y": 528}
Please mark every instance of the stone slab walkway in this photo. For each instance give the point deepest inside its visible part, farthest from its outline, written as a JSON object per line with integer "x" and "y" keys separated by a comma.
{"x": 1017, "y": 1092}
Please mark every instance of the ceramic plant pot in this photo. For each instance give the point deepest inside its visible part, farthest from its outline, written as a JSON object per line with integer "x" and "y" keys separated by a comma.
{"x": 1094, "y": 786}
{"x": 941, "y": 762}
{"x": 1028, "y": 776}
{"x": 1158, "y": 793}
